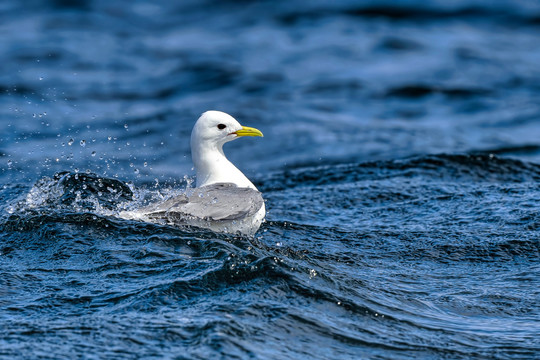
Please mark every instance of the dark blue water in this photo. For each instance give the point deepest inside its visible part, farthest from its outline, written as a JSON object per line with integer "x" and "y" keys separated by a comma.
{"x": 399, "y": 165}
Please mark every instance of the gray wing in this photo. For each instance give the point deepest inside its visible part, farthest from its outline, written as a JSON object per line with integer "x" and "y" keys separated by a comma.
{"x": 217, "y": 202}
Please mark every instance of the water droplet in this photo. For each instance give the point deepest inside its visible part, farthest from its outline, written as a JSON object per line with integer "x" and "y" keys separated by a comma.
{"x": 136, "y": 171}
{"x": 93, "y": 153}
{"x": 145, "y": 164}
{"x": 10, "y": 162}
{"x": 70, "y": 142}
{"x": 41, "y": 78}
{"x": 126, "y": 126}
{"x": 83, "y": 143}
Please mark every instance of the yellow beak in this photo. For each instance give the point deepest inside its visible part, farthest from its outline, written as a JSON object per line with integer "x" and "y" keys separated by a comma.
{"x": 248, "y": 131}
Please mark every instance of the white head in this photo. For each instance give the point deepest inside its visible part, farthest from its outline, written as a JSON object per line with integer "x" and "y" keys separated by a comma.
{"x": 211, "y": 131}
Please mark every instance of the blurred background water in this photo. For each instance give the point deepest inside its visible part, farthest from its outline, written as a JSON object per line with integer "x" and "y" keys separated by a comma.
{"x": 399, "y": 166}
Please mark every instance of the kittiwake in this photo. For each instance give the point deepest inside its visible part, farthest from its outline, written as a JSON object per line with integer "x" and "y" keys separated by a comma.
{"x": 224, "y": 199}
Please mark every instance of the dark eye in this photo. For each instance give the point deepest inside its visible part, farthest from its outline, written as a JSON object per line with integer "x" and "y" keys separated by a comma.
{"x": 221, "y": 126}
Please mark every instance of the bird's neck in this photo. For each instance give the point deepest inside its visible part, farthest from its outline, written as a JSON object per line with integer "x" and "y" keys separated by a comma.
{"x": 213, "y": 167}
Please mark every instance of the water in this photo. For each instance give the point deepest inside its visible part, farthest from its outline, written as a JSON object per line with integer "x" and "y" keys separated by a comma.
{"x": 399, "y": 166}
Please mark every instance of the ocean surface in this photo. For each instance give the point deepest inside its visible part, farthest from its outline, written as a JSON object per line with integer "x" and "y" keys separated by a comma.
{"x": 400, "y": 168}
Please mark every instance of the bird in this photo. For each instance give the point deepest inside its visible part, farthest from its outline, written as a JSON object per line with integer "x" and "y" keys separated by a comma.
{"x": 224, "y": 199}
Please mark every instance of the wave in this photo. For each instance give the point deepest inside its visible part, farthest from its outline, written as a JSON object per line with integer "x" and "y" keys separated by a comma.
{"x": 408, "y": 248}
{"x": 455, "y": 167}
